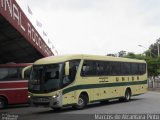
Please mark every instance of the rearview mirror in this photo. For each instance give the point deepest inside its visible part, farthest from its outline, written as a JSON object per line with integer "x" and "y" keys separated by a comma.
{"x": 66, "y": 68}
{"x": 24, "y": 71}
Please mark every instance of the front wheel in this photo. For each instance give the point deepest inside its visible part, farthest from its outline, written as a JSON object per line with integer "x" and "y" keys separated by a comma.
{"x": 2, "y": 103}
{"x": 82, "y": 102}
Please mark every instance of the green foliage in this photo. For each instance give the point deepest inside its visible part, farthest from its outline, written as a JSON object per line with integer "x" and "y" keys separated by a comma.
{"x": 153, "y": 50}
{"x": 122, "y": 53}
{"x": 153, "y": 66}
{"x": 135, "y": 56}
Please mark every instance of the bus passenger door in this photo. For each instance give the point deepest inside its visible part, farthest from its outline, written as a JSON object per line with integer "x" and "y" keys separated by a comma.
{"x": 71, "y": 68}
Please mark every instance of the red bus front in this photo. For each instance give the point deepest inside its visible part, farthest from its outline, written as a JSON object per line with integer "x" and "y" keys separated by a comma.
{"x": 13, "y": 89}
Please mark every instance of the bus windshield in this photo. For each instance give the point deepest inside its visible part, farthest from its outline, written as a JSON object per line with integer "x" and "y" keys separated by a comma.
{"x": 45, "y": 78}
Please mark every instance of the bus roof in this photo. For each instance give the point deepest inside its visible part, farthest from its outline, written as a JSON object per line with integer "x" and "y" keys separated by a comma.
{"x": 62, "y": 58}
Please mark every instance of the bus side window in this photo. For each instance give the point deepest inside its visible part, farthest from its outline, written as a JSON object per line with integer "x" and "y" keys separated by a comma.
{"x": 89, "y": 68}
{"x": 84, "y": 70}
{"x": 9, "y": 74}
{"x": 3, "y": 73}
{"x": 13, "y": 74}
{"x": 72, "y": 73}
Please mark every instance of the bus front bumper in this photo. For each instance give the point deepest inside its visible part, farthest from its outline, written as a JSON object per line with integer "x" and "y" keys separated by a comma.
{"x": 54, "y": 101}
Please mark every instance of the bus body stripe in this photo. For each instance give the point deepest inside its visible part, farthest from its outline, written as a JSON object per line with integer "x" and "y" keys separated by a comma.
{"x": 6, "y": 89}
{"x": 91, "y": 86}
{"x": 17, "y": 81}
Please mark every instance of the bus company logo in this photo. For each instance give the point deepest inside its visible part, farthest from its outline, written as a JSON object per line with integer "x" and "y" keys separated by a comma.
{"x": 6, "y": 116}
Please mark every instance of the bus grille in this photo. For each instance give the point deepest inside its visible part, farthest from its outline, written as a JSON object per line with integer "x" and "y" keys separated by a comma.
{"x": 41, "y": 99}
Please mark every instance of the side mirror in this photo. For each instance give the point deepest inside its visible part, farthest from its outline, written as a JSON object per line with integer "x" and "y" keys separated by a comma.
{"x": 24, "y": 71}
{"x": 66, "y": 68}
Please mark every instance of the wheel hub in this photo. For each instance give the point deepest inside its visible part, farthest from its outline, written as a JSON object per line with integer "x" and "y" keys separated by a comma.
{"x": 80, "y": 101}
{"x": 127, "y": 96}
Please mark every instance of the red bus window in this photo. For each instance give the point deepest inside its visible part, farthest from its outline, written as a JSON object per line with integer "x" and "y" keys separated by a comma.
{"x": 9, "y": 74}
{"x": 3, "y": 73}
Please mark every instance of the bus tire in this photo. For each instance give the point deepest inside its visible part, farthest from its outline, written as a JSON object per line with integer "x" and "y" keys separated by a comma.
{"x": 2, "y": 103}
{"x": 127, "y": 96}
{"x": 82, "y": 102}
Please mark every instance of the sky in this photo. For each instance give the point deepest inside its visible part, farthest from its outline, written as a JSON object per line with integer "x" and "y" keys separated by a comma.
{"x": 97, "y": 27}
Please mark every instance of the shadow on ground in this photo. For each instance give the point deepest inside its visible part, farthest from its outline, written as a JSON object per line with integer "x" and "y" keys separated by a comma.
{"x": 90, "y": 106}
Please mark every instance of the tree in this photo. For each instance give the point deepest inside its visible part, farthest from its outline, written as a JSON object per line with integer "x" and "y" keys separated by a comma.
{"x": 122, "y": 53}
{"x": 135, "y": 56}
{"x": 130, "y": 55}
{"x": 111, "y": 55}
{"x": 153, "y": 66}
{"x": 153, "y": 50}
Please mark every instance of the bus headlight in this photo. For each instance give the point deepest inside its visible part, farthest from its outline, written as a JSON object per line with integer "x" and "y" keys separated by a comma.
{"x": 29, "y": 96}
{"x": 55, "y": 96}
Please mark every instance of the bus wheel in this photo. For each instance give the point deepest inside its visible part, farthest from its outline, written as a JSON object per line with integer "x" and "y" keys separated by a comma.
{"x": 2, "y": 103}
{"x": 82, "y": 102}
{"x": 127, "y": 96}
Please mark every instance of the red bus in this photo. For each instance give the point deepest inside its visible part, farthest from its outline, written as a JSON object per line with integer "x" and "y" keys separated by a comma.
{"x": 13, "y": 89}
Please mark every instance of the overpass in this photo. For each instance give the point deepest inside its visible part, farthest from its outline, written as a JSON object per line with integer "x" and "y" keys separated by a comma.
{"x": 19, "y": 40}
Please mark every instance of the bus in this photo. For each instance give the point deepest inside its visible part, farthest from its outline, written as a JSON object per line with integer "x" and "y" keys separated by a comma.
{"x": 13, "y": 89}
{"x": 77, "y": 80}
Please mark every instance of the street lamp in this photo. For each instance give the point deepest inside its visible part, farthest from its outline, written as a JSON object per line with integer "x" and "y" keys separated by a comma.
{"x": 142, "y": 46}
{"x": 150, "y": 52}
{"x": 158, "y": 41}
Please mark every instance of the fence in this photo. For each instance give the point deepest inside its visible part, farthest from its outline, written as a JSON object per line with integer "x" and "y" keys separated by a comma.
{"x": 154, "y": 83}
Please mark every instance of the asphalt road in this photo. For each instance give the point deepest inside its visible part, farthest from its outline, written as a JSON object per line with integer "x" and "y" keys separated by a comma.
{"x": 146, "y": 103}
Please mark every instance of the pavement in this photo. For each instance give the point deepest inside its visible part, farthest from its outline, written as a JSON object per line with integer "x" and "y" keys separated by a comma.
{"x": 143, "y": 104}
{"x": 154, "y": 89}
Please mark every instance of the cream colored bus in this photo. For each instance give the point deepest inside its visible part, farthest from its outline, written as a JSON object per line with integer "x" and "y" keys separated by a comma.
{"x": 77, "y": 80}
